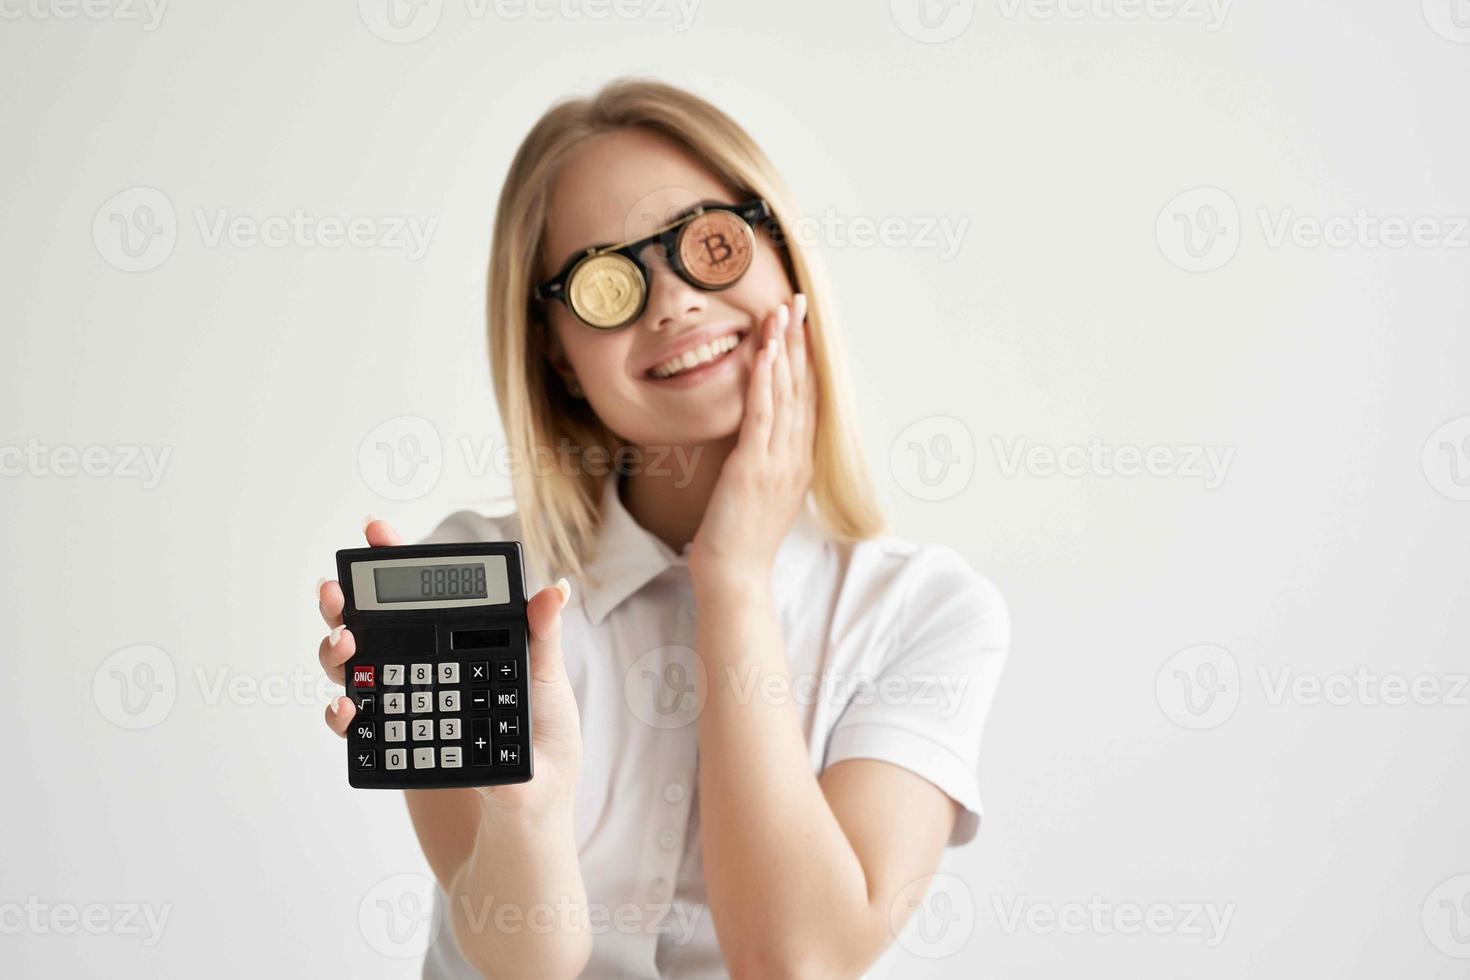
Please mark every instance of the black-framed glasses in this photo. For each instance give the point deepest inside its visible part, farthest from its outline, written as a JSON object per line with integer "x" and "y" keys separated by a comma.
{"x": 710, "y": 247}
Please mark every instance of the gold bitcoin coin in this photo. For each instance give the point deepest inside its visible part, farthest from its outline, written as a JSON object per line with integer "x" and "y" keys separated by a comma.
{"x": 715, "y": 248}
{"x": 606, "y": 290}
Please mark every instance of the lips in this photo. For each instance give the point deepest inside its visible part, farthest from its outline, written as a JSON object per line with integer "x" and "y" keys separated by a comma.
{"x": 694, "y": 353}
{"x": 690, "y": 359}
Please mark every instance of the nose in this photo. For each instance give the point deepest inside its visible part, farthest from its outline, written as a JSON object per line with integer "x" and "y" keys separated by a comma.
{"x": 670, "y": 299}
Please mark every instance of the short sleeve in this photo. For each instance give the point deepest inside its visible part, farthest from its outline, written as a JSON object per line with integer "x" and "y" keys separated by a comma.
{"x": 924, "y": 701}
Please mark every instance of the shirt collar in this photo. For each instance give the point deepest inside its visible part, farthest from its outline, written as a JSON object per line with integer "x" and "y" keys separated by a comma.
{"x": 628, "y": 557}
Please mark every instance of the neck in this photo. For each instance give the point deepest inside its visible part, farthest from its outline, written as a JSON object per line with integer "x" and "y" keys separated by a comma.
{"x": 668, "y": 496}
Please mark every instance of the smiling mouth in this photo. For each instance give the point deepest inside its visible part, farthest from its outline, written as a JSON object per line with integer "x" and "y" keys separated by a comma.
{"x": 698, "y": 357}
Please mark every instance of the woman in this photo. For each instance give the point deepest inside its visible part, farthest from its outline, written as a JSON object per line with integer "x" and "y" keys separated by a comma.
{"x": 755, "y": 809}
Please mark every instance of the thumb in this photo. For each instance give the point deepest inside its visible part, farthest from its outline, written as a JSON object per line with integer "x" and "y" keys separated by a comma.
{"x": 379, "y": 533}
{"x": 543, "y": 614}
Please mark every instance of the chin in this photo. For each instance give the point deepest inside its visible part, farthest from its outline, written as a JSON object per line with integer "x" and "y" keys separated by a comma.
{"x": 690, "y": 428}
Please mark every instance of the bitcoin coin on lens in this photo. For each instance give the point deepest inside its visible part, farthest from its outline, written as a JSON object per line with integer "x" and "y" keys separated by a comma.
{"x": 715, "y": 248}
{"x": 606, "y": 290}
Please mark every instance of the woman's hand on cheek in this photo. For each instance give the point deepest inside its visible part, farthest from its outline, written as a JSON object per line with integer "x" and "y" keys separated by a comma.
{"x": 765, "y": 479}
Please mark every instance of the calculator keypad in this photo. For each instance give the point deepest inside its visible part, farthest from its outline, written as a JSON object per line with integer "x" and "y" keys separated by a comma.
{"x": 419, "y": 716}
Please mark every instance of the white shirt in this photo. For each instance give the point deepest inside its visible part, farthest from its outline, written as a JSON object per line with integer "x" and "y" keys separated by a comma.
{"x": 894, "y": 652}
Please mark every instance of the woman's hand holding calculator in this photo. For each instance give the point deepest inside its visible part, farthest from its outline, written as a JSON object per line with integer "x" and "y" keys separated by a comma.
{"x": 555, "y": 724}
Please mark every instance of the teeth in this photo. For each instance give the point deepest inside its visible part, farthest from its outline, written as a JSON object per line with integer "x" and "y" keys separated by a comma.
{"x": 702, "y": 354}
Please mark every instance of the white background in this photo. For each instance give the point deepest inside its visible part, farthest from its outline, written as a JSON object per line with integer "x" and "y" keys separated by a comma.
{"x": 1334, "y": 541}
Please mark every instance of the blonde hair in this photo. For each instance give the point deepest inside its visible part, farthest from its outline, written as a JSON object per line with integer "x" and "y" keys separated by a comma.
{"x": 560, "y": 512}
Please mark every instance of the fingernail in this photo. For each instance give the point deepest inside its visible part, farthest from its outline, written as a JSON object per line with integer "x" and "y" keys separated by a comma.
{"x": 783, "y": 317}
{"x": 332, "y": 707}
{"x": 368, "y": 520}
{"x": 565, "y": 588}
{"x": 336, "y": 635}
{"x": 319, "y": 583}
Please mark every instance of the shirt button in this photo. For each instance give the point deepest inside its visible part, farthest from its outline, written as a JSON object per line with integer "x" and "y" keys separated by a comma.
{"x": 674, "y": 793}
{"x": 667, "y": 839}
{"x": 661, "y": 889}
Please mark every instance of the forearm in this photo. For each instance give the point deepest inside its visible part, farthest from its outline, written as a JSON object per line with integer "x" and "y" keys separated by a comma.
{"x": 518, "y": 906}
{"x": 786, "y": 889}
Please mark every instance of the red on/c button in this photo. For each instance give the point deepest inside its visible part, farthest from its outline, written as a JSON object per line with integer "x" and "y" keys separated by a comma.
{"x": 365, "y": 676}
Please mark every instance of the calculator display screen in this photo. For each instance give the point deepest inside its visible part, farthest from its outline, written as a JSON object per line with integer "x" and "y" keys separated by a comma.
{"x": 441, "y": 582}
{"x": 410, "y": 584}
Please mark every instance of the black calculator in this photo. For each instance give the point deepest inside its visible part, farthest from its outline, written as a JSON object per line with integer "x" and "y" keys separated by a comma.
{"x": 441, "y": 668}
